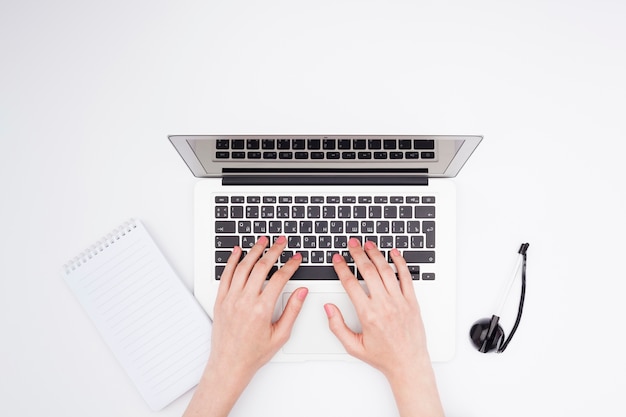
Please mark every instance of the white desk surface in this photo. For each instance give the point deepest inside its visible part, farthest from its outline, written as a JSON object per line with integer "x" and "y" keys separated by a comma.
{"x": 89, "y": 92}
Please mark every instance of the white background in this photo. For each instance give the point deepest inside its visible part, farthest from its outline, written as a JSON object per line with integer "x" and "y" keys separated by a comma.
{"x": 90, "y": 90}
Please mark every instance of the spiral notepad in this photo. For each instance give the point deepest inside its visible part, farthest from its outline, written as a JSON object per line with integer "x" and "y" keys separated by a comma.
{"x": 148, "y": 318}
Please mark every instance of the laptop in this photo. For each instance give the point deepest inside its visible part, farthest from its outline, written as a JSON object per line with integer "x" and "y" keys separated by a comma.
{"x": 320, "y": 191}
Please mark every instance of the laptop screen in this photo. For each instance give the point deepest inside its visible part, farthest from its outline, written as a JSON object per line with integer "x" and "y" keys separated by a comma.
{"x": 210, "y": 156}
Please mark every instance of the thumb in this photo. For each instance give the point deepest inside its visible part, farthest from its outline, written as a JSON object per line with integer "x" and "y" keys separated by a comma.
{"x": 351, "y": 341}
{"x": 285, "y": 323}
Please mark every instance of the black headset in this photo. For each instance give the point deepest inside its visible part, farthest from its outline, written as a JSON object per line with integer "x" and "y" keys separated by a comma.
{"x": 486, "y": 334}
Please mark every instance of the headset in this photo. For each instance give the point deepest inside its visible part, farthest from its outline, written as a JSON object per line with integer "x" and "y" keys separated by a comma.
{"x": 486, "y": 334}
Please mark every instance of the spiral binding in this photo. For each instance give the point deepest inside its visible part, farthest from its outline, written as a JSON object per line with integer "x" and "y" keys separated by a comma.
{"x": 100, "y": 246}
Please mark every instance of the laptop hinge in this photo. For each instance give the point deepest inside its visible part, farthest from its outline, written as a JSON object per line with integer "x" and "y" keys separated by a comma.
{"x": 324, "y": 180}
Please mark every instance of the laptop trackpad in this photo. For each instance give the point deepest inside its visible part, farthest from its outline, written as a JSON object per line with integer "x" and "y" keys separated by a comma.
{"x": 311, "y": 333}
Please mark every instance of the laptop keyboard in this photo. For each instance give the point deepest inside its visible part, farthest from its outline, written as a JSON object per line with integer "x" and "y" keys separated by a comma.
{"x": 318, "y": 227}
{"x": 324, "y": 149}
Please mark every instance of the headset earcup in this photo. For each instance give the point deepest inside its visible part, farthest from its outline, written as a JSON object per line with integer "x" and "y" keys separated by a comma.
{"x": 481, "y": 337}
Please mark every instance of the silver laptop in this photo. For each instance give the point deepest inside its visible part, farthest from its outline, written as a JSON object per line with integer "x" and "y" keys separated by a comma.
{"x": 319, "y": 191}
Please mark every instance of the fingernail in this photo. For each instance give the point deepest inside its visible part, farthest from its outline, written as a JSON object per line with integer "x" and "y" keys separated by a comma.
{"x": 337, "y": 258}
{"x": 281, "y": 239}
{"x": 262, "y": 240}
{"x": 369, "y": 245}
{"x": 302, "y": 293}
{"x": 297, "y": 256}
{"x": 354, "y": 242}
{"x": 395, "y": 252}
{"x": 329, "y": 310}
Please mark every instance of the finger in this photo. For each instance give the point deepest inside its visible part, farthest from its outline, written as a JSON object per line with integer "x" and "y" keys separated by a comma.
{"x": 227, "y": 274}
{"x": 277, "y": 281}
{"x": 351, "y": 341}
{"x": 367, "y": 269}
{"x": 388, "y": 277}
{"x": 262, "y": 268}
{"x": 406, "y": 283}
{"x": 283, "y": 326}
{"x": 242, "y": 272}
{"x": 350, "y": 283}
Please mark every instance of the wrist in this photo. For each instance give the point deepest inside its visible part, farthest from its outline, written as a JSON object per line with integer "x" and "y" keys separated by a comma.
{"x": 218, "y": 389}
{"x": 415, "y": 389}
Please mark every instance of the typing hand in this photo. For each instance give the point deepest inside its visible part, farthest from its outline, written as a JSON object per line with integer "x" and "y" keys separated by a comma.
{"x": 244, "y": 336}
{"x": 389, "y": 315}
{"x": 393, "y": 339}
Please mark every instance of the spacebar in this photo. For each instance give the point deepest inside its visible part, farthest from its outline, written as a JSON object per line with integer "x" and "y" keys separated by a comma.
{"x": 320, "y": 272}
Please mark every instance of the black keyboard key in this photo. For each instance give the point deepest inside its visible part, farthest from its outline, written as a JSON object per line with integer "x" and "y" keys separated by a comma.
{"x": 317, "y": 257}
{"x": 412, "y": 226}
{"x": 314, "y": 272}
{"x": 391, "y": 212}
{"x": 253, "y": 144}
{"x": 260, "y": 227}
{"x": 329, "y": 144}
{"x": 238, "y": 144}
{"x": 333, "y": 155}
{"x": 254, "y": 155}
{"x": 429, "y": 230}
{"x": 374, "y": 144}
{"x": 364, "y": 155}
{"x": 423, "y": 144}
{"x": 396, "y": 155}
{"x": 298, "y": 144}
{"x": 359, "y": 144}
{"x": 294, "y": 242}
{"x": 285, "y": 155}
{"x": 238, "y": 155}
{"x": 306, "y": 226}
{"x": 268, "y": 144}
{"x": 404, "y": 144}
{"x": 221, "y": 212}
{"x": 406, "y": 212}
{"x": 359, "y": 212}
{"x": 244, "y": 227}
{"x": 221, "y": 257}
{"x": 380, "y": 155}
{"x": 424, "y": 212}
{"x": 414, "y": 270}
{"x": 236, "y": 212}
{"x": 419, "y": 257}
{"x": 321, "y": 226}
{"x": 270, "y": 155}
{"x": 302, "y": 155}
{"x": 222, "y": 144}
{"x": 428, "y": 155}
{"x": 417, "y": 242}
{"x": 317, "y": 155}
{"x": 313, "y": 144}
{"x": 348, "y": 155}
{"x": 247, "y": 241}
{"x": 222, "y": 155}
{"x": 226, "y": 241}
{"x": 284, "y": 144}
{"x": 428, "y": 276}
{"x": 224, "y": 227}
{"x": 389, "y": 144}
{"x": 375, "y": 212}
{"x": 221, "y": 199}
{"x": 343, "y": 144}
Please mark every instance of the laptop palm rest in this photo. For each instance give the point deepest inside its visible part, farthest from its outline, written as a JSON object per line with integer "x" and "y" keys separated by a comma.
{"x": 311, "y": 333}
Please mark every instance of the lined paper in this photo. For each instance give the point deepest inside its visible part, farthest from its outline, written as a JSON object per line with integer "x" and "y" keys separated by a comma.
{"x": 152, "y": 323}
